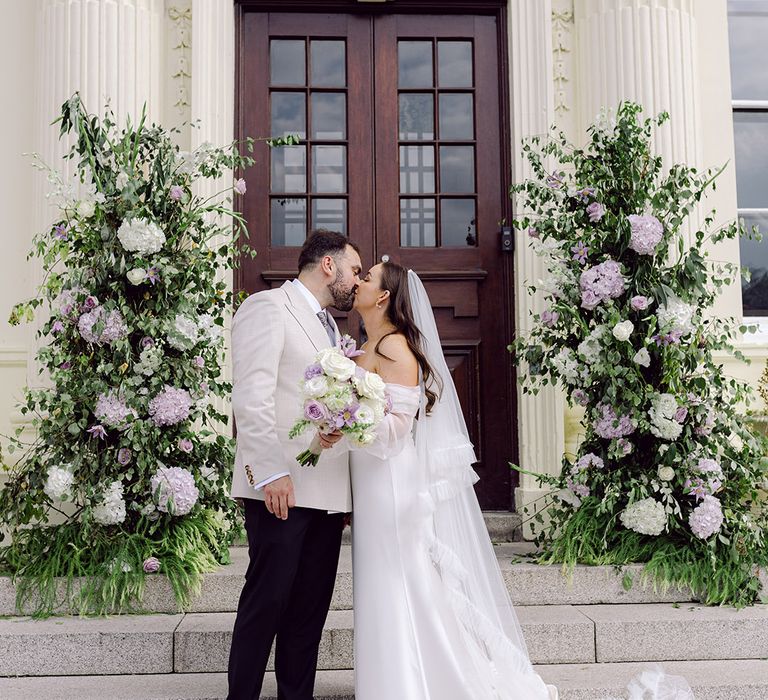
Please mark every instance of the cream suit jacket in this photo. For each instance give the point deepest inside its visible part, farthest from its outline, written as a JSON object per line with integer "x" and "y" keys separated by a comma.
{"x": 275, "y": 336}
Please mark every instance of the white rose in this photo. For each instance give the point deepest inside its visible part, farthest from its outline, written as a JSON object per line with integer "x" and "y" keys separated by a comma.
{"x": 666, "y": 473}
{"x": 622, "y": 331}
{"x": 335, "y": 365}
{"x": 376, "y": 406}
{"x": 371, "y": 385}
{"x": 365, "y": 439}
{"x": 86, "y": 209}
{"x": 642, "y": 357}
{"x": 316, "y": 387}
{"x": 137, "y": 275}
{"x": 365, "y": 414}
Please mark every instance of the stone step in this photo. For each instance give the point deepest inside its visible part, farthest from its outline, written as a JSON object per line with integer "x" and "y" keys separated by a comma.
{"x": 199, "y": 642}
{"x": 710, "y": 680}
{"x": 528, "y": 584}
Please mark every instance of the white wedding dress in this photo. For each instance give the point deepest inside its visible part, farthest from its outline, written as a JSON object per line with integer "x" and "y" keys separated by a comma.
{"x": 428, "y": 625}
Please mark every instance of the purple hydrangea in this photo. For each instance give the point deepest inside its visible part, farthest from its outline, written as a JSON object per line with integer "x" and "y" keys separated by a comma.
{"x": 312, "y": 371}
{"x": 706, "y": 518}
{"x": 639, "y": 302}
{"x": 114, "y": 329}
{"x": 595, "y": 211}
{"x": 581, "y": 490}
{"x": 174, "y": 490}
{"x": 601, "y": 282}
{"x": 707, "y": 480}
{"x": 610, "y": 425}
{"x": 57, "y": 326}
{"x": 112, "y": 410}
{"x": 151, "y": 565}
{"x": 170, "y": 406}
{"x": 589, "y": 459}
{"x": 177, "y": 192}
{"x": 647, "y": 231}
{"x": 124, "y": 456}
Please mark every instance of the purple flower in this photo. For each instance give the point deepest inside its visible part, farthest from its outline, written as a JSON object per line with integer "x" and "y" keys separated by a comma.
{"x": 387, "y": 403}
{"x": 708, "y": 425}
{"x": 639, "y": 302}
{"x": 549, "y": 318}
{"x": 151, "y": 565}
{"x": 177, "y": 192}
{"x": 625, "y": 446}
{"x": 671, "y": 338}
{"x": 174, "y": 490}
{"x": 580, "y": 397}
{"x": 97, "y": 431}
{"x": 113, "y": 411}
{"x": 146, "y": 342}
{"x": 198, "y": 361}
{"x": 239, "y": 186}
{"x": 114, "y": 329}
{"x": 312, "y": 371}
{"x": 61, "y": 231}
{"x": 580, "y": 252}
{"x": 185, "y": 445}
{"x": 315, "y": 411}
{"x": 647, "y": 231}
{"x": 170, "y": 406}
{"x": 587, "y": 460}
{"x": 595, "y": 211}
{"x": 555, "y": 180}
{"x": 347, "y": 416}
{"x": 581, "y": 490}
{"x": 90, "y": 303}
{"x": 707, "y": 518}
{"x": 124, "y": 456}
{"x": 610, "y": 425}
{"x": 533, "y": 232}
{"x": 681, "y": 414}
{"x": 584, "y": 194}
{"x": 153, "y": 275}
{"x": 57, "y": 327}
{"x": 348, "y": 346}
{"x": 601, "y": 282}
{"x": 65, "y": 365}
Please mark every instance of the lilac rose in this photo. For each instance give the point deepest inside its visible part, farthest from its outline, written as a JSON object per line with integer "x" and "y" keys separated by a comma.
{"x": 315, "y": 411}
{"x": 151, "y": 565}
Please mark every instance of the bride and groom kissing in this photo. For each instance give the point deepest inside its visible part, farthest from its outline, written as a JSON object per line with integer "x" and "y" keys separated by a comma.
{"x": 432, "y": 617}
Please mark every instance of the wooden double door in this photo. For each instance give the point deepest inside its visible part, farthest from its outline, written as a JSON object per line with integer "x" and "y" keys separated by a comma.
{"x": 403, "y": 149}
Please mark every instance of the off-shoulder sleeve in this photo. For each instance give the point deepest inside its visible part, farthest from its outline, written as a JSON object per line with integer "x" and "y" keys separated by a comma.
{"x": 394, "y": 431}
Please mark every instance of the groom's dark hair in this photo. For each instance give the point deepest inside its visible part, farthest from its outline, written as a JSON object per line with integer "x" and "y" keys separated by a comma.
{"x": 320, "y": 243}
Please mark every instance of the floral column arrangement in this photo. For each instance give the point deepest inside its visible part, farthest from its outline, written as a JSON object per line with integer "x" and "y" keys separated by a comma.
{"x": 134, "y": 353}
{"x": 667, "y": 472}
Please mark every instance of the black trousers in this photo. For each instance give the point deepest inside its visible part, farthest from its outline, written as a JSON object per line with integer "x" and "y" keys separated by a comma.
{"x": 287, "y": 593}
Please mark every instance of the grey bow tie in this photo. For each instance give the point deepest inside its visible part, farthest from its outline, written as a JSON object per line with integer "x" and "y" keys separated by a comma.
{"x": 323, "y": 316}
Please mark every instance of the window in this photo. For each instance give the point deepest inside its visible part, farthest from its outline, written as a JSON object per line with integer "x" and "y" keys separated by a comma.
{"x": 747, "y": 27}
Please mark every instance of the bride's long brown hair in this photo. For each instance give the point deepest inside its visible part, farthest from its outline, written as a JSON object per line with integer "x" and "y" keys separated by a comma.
{"x": 394, "y": 279}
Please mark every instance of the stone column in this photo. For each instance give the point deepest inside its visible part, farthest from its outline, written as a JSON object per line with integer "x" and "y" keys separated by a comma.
{"x": 540, "y": 418}
{"x": 213, "y": 102}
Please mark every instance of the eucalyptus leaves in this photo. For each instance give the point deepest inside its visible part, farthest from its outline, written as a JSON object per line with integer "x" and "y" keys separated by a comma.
{"x": 667, "y": 472}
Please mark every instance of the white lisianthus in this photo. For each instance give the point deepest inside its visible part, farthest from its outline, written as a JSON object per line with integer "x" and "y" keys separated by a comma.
{"x": 336, "y": 365}
{"x": 365, "y": 414}
{"x": 137, "y": 275}
{"x": 141, "y": 236}
{"x": 666, "y": 473}
{"x": 86, "y": 209}
{"x": 316, "y": 387}
{"x": 642, "y": 357}
{"x": 184, "y": 333}
{"x": 121, "y": 180}
{"x": 111, "y": 507}
{"x": 676, "y": 315}
{"x": 58, "y": 486}
{"x": 371, "y": 385}
{"x": 646, "y": 517}
{"x": 363, "y": 439}
{"x": 622, "y": 331}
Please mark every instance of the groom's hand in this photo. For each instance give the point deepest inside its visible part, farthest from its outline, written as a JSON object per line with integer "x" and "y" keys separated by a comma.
{"x": 278, "y": 497}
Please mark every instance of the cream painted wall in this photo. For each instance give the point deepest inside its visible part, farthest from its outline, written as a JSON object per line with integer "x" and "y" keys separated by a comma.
{"x": 17, "y": 119}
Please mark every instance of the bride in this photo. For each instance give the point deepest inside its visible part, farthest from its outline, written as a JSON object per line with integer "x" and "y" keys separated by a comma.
{"x": 433, "y": 619}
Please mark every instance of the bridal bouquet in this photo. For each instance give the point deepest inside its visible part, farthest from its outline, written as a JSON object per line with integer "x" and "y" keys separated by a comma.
{"x": 339, "y": 395}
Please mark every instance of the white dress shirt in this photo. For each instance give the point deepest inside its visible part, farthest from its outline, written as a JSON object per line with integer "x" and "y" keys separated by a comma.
{"x": 315, "y": 304}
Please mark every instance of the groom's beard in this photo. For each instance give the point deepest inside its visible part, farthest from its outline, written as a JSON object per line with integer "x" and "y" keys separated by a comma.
{"x": 343, "y": 298}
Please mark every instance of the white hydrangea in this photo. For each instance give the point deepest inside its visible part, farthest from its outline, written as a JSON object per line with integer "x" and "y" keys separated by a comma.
{"x": 591, "y": 346}
{"x": 208, "y": 330}
{"x": 184, "y": 333}
{"x": 567, "y": 365}
{"x": 111, "y": 507}
{"x": 661, "y": 414}
{"x": 150, "y": 360}
{"x": 676, "y": 315}
{"x": 141, "y": 236}
{"x": 646, "y": 517}
{"x": 58, "y": 485}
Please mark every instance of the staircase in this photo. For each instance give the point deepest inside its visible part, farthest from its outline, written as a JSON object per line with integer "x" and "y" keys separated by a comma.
{"x": 589, "y": 636}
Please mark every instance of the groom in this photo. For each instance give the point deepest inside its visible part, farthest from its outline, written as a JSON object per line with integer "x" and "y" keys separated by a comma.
{"x": 294, "y": 516}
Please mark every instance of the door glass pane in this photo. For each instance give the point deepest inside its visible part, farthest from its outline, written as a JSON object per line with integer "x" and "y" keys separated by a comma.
{"x": 417, "y": 169}
{"x": 289, "y": 169}
{"x": 750, "y": 131}
{"x": 287, "y": 62}
{"x": 457, "y": 169}
{"x": 289, "y": 114}
{"x": 417, "y": 117}
{"x": 456, "y": 117}
{"x": 329, "y": 168}
{"x": 328, "y": 63}
{"x": 417, "y": 222}
{"x": 329, "y": 115}
{"x": 747, "y": 29}
{"x": 414, "y": 64}
{"x": 754, "y": 255}
{"x": 330, "y": 214}
{"x": 454, "y": 64}
{"x": 289, "y": 222}
{"x": 457, "y": 222}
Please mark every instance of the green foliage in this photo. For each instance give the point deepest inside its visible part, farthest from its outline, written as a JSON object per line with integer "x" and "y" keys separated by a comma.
{"x": 658, "y": 408}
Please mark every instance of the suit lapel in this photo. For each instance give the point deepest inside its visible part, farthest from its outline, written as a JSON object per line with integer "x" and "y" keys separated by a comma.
{"x": 300, "y": 309}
